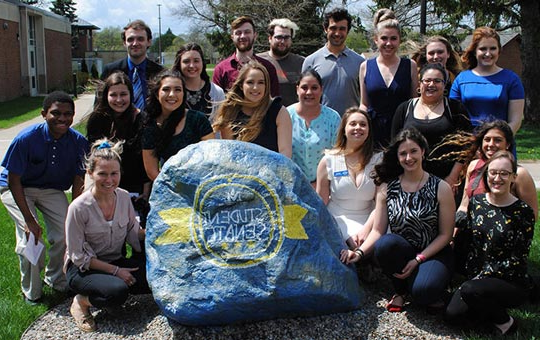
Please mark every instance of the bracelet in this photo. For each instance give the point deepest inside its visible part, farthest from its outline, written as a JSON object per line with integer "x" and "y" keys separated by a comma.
{"x": 116, "y": 270}
{"x": 359, "y": 252}
{"x": 420, "y": 258}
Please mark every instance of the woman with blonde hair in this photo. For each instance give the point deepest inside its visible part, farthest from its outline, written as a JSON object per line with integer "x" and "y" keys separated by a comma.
{"x": 250, "y": 114}
{"x": 386, "y": 80}
{"x": 98, "y": 224}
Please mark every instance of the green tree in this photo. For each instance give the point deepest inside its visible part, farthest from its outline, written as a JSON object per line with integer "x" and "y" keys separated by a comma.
{"x": 176, "y": 44}
{"x": 452, "y": 15}
{"x": 166, "y": 41}
{"x": 215, "y": 16}
{"x": 109, "y": 39}
{"x": 65, "y": 8}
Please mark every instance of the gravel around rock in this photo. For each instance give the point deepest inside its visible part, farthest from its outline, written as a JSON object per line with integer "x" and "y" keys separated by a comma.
{"x": 140, "y": 318}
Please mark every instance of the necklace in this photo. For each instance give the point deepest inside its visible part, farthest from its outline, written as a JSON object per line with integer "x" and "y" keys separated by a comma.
{"x": 431, "y": 108}
{"x": 193, "y": 97}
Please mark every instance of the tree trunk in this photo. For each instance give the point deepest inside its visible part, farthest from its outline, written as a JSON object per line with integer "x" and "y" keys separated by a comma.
{"x": 530, "y": 56}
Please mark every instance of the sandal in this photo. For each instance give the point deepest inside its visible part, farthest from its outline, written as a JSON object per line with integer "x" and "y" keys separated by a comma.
{"x": 393, "y": 307}
{"x": 85, "y": 322}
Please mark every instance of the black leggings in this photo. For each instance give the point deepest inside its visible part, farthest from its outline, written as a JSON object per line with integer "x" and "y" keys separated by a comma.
{"x": 104, "y": 289}
{"x": 485, "y": 299}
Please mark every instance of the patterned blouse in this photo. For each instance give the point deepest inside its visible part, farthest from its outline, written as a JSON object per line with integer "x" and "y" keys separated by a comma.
{"x": 500, "y": 240}
{"x": 414, "y": 215}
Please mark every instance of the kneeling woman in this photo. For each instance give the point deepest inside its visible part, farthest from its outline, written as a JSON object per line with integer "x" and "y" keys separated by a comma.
{"x": 99, "y": 222}
{"x": 419, "y": 208}
{"x": 500, "y": 228}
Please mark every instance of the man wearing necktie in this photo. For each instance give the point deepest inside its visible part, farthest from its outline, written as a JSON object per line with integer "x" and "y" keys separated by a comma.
{"x": 137, "y": 38}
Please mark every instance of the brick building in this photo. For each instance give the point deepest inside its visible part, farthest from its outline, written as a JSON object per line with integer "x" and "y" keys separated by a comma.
{"x": 36, "y": 51}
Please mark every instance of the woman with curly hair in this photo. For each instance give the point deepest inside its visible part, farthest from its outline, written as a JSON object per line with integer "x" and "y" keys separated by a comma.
{"x": 249, "y": 113}
{"x": 170, "y": 125}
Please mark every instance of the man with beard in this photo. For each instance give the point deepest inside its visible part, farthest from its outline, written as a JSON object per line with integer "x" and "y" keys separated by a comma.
{"x": 337, "y": 65}
{"x": 243, "y": 36}
{"x": 288, "y": 65}
{"x": 137, "y": 38}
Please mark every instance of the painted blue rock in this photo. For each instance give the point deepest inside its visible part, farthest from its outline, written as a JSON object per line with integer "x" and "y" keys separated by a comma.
{"x": 237, "y": 234}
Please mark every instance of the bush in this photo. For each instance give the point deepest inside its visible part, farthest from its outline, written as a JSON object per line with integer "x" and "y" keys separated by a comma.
{"x": 94, "y": 72}
{"x": 82, "y": 80}
{"x": 84, "y": 67}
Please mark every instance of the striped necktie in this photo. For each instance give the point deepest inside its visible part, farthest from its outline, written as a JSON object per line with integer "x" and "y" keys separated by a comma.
{"x": 138, "y": 95}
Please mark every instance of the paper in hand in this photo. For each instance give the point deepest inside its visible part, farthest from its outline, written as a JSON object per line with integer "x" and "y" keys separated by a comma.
{"x": 32, "y": 251}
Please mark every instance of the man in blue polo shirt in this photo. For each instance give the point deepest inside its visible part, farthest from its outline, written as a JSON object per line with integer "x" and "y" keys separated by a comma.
{"x": 41, "y": 163}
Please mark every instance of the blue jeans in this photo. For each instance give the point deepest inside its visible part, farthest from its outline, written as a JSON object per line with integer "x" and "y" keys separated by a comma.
{"x": 428, "y": 281}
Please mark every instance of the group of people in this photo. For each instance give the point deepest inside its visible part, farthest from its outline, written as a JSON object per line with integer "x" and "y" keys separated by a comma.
{"x": 384, "y": 142}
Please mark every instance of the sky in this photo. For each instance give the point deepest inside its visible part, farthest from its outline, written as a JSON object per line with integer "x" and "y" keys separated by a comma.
{"x": 120, "y": 12}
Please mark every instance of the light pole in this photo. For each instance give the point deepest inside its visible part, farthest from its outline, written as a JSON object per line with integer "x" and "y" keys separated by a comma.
{"x": 159, "y": 44}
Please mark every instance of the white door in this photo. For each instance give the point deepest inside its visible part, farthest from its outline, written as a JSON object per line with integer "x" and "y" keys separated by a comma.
{"x": 32, "y": 56}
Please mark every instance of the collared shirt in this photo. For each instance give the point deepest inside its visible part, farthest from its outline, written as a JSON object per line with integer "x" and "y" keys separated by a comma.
{"x": 308, "y": 144}
{"x": 226, "y": 72}
{"x": 44, "y": 162}
{"x": 340, "y": 77}
{"x": 141, "y": 68}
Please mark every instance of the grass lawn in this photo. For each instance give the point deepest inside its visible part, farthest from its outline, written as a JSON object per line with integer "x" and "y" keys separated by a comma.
{"x": 19, "y": 110}
{"x": 15, "y": 314}
{"x": 528, "y": 142}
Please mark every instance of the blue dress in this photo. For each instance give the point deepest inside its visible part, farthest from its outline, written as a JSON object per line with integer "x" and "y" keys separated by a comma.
{"x": 383, "y": 100}
{"x": 487, "y": 98}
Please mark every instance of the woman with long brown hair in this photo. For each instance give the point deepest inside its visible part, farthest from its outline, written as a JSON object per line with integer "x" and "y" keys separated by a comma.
{"x": 249, "y": 113}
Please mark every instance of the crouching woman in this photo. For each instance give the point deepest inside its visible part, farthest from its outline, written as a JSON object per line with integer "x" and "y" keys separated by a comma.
{"x": 99, "y": 222}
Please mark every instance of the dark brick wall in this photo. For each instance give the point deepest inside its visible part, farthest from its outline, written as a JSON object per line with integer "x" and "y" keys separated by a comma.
{"x": 511, "y": 57}
{"x": 58, "y": 56}
{"x": 10, "y": 61}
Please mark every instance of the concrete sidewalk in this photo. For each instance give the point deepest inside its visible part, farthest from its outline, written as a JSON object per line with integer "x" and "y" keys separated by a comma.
{"x": 85, "y": 102}
{"x": 83, "y": 106}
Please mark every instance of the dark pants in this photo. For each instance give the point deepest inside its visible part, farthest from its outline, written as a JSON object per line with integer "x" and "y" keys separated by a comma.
{"x": 485, "y": 299}
{"x": 429, "y": 280}
{"x": 104, "y": 289}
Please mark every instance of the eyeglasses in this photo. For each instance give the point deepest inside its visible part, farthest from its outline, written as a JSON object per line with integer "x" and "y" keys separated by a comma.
{"x": 282, "y": 37}
{"x": 504, "y": 174}
{"x": 427, "y": 81}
